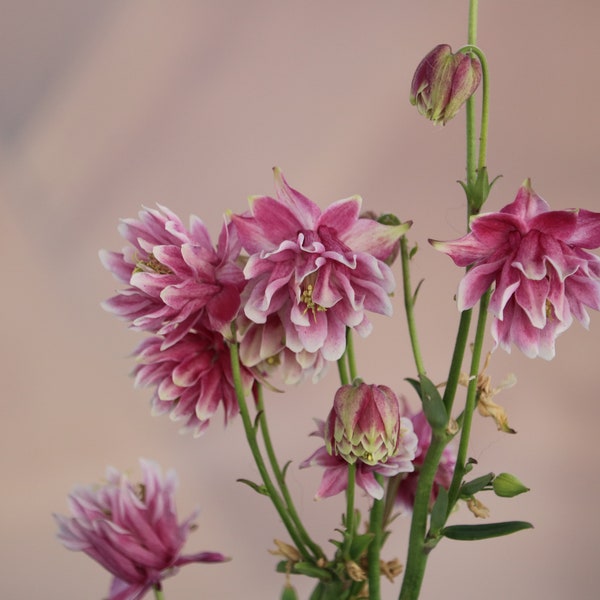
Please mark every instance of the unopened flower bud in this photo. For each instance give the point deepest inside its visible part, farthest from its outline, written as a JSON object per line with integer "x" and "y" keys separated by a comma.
{"x": 443, "y": 82}
{"x": 364, "y": 424}
{"x": 508, "y": 485}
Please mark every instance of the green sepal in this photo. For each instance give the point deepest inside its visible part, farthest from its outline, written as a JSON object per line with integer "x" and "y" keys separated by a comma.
{"x": 484, "y": 531}
{"x": 433, "y": 405}
{"x": 439, "y": 512}
{"x": 261, "y": 489}
{"x": 413, "y": 251}
{"x": 359, "y": 545}
{"x": 289, "y": 593}
{"x": 475, "y": 485}
{"x": 478, "y": 191}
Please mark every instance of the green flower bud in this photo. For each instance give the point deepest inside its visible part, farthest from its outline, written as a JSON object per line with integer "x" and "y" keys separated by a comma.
{"x": 507, "y": 486}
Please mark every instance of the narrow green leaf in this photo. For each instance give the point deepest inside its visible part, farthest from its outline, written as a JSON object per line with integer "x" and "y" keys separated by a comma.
{"x": 475, "y": 485}
{"x": 360, "y": 544}
{"x": 439, "y": 511}
{"x": 484, "y": 531}
{"x": 305, "y": 568}
{"x": 433, "y": 405}
{"x": 261, "y": 489}
{"x": 285, "y": 468}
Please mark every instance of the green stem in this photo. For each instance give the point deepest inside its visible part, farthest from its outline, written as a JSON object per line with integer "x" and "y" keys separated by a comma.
{"x": 350, "y": 508}
{"x": 350, "y": 354}
{"x": 467, "y": 415}
{"x": 343, "y": 370}
{"x": 417, "y": 552}
{"x": 256, "y": 453}
{"x": 280, "y": 478}
{"x": 158, "y": 593}
{"x": 409, "y": 303}
{"x": 374, "y": 552}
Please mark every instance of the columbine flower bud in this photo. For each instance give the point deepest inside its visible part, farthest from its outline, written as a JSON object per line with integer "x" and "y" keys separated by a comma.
{"x": 443, "y": 82}
{"x": 508, "y": 486}
{"x": 364, "y": 424}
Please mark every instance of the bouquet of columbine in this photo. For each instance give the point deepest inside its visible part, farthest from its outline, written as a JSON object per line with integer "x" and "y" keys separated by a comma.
{"x": 276, "y": 301}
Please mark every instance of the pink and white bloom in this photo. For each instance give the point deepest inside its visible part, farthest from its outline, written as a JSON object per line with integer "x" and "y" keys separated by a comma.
{"x": 175, "y": 277}
{"x": 335, "y": 476}
{"x": 131, "y": 530}
{"x": 407, "y": 489}
{"x": 538, "y": 262}
{"x": 319, "y": 271}
{"x": 192, "y": 378}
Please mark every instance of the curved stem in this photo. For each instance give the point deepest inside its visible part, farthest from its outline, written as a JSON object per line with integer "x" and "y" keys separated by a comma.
{"x": 280, "y": 478}
{"x": 409, "y": 303}
{"x": 256, "y": 453}
{"x": 467, "y": 416}
{"x": 374, "y": 552}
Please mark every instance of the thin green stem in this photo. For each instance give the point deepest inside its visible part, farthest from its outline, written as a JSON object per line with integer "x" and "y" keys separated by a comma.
{"x": 158, "y": 593}
{"x": 473, "y": 14}
{"x": 350, "y": 507}
{"x": 409, "y": 303}
{"x": 280, "y": 478}
{"x": 350, "y": 354}
{"x": 374, "y": 552}
{"x": 343, "y": 370}
{"x": 467, "y": 415}
{"x": 251, "y": 436}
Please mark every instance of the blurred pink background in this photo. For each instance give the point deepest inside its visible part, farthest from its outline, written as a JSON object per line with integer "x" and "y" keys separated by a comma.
{"x": 107, "y": 106}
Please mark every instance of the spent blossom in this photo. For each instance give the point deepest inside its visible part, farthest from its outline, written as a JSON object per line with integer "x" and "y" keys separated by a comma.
{"x": 318, "y": 271}
{"x": 131, "y": 530}
{"x": 175, "y": 277}
{"x": 537, "y": 260}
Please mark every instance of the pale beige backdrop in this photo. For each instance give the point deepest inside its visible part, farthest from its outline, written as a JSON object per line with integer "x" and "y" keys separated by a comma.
{"x": 107, "y": 106}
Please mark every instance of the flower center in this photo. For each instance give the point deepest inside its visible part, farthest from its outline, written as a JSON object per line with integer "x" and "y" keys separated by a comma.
{"x": 153, "y": 264}
{"x": 306, "y": 296}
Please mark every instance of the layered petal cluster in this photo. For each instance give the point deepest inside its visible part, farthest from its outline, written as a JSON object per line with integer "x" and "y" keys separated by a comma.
{"x": 316, "y": 272}
{"x": 407, "y": 489}
{"x": 175, "y": 277}
{"x": 131, "y": 530}
{"x": 364, "y": 424}
{"x": 538, "y": 262}
{"x": 335, "y": 476}
{"x": 191, "y": 378}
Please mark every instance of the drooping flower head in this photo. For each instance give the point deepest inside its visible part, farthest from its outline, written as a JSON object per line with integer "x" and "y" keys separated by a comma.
{"x": 443, "y": 82}
{"x": 407, "y": 489}
{"x": 335, "y": 476}
{"x": 191, "y": 378}
{"x": 364, "y": 424}
{"x": 318, "y": 271}
{"x": 538, "y": 262}
{"x": 175, "y": 277}
{"x": 131, "y": 530}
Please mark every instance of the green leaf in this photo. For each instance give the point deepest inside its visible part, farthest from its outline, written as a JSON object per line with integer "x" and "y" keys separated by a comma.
{"x": 360, "y": 544}
{"x": 285, "y": 468}
{"x": 305, "y": 568}
{"x": 439, "y": 511}
{"x": 484, "y": 531}
{"x": 475, "y": 485}
{"x": 433, "y": 405}
{"x": 261, "y": 489}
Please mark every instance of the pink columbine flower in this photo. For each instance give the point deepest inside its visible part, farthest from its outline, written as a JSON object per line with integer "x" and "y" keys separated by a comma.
{"x": 319, "y": 271}
{"x": 192, "y": 378}
{"x": 175, "y": 277}
{"x": 131, "y": 530}
{"x": 538, "y": 263}
{"x": 335, "y": 476}
{"x": 405, "y": 498}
